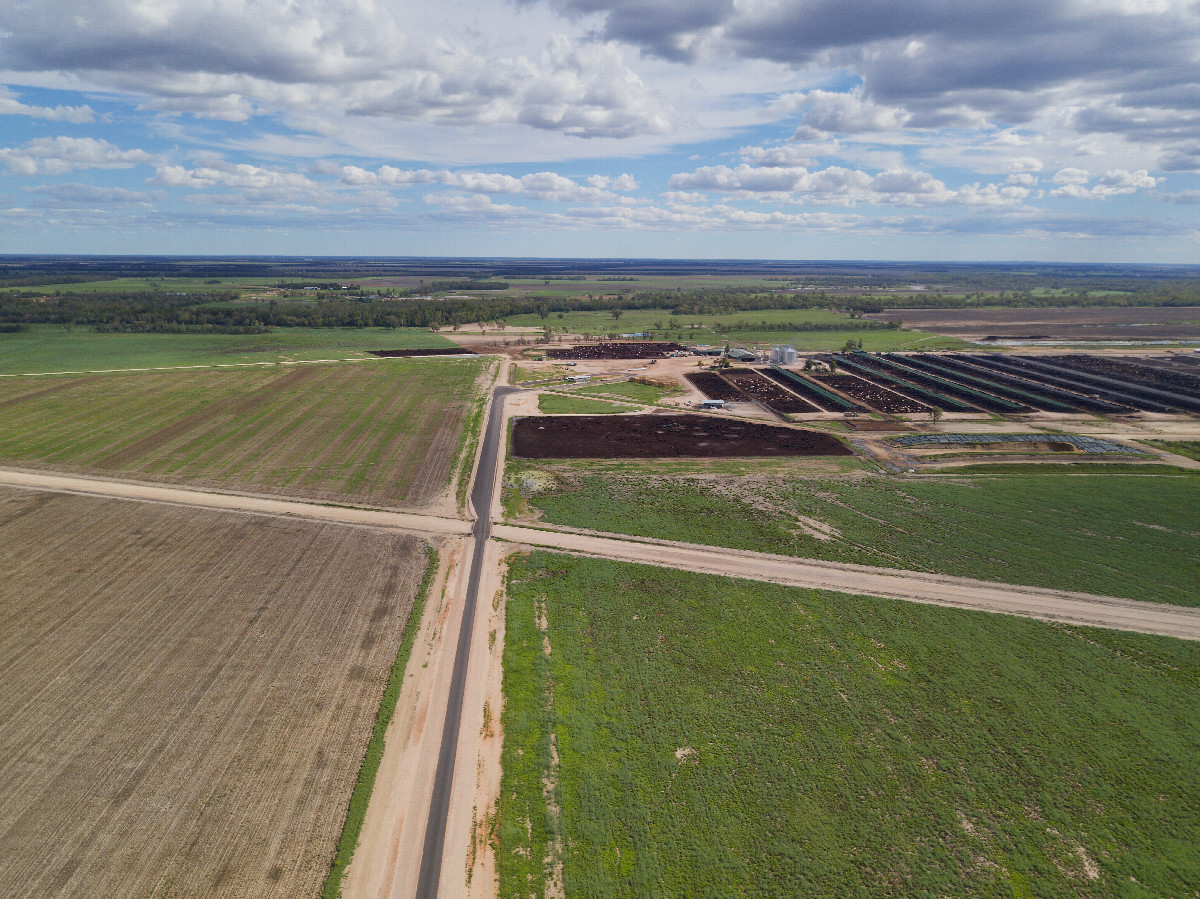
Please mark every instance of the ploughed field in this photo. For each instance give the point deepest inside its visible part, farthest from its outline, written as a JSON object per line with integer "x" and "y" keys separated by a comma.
{"x": 186, "y": 695}
{"x": 615, "y": 350}
{"x": 385, "y": 433}
{"x": 663, "y": 436}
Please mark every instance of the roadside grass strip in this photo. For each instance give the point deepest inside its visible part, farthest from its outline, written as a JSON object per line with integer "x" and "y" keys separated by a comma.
{"x": 363, "y": 787}
{"x": 1111, "y": 534}
{"x": 674, "y": 734}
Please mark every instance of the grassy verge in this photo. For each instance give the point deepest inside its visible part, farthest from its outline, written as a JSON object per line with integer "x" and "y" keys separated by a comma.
{"x": 1187, "y": 448}
{"x": 1111, "y": 533}
{"x": 633, "y": 390}
{"x": 470, "y": 444}
{"x": 556, "y": 404}
{"x": 726, "y": 738}
{"x": 53, "y": 348}
{"x": 361, "y": 797}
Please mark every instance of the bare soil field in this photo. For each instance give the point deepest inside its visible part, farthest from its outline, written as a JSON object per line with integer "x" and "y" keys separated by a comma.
{"x": 185, "y": 695}
{"x": 385, "y": 434}
{"x": 1097, "y": 323}
{"x": 662, "y": 436}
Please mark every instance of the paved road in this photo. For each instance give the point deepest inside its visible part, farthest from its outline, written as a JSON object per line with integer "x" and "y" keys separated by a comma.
{"x": 481, "y": 499}
{"x": 911, "y": 586}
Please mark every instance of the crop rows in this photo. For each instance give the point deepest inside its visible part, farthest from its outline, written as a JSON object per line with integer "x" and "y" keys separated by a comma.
{"x": 187, "y": 694}
{"x": 385, "y": 433}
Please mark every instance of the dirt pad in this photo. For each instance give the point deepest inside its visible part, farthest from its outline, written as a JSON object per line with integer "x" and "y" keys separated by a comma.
{"x": 186, "y": 695}
{"x": 662, "y": 436}
{"x": 645, "y": 350}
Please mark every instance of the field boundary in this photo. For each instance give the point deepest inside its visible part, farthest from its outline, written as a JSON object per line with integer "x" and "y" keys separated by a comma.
{"x": 365, "y": 784}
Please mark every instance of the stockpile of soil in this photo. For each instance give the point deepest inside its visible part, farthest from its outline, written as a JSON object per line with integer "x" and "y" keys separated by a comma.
{"x": 440, "y": 351}
{"x": 646, "y": 350}
{"x": 662, "y": 436}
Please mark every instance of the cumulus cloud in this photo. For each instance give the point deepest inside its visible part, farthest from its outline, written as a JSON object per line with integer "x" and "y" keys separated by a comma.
{"x": 1112, "y": 183}
{"x": 230, "y": 61}
{"x": 836, "y": 185}
{"x": 829, "y": 113}
{"x": 549, "y": 186}
{"x": 10, "y": 104}
{"x": 62, "y": 155}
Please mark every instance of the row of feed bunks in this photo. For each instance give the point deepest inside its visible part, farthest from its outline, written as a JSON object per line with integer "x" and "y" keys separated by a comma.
{"x": 897, "y": 384}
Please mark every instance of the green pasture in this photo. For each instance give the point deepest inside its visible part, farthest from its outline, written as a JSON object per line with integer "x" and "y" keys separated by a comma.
{"x": 1187, "y": 448}
{"x": 639, "y": 393}
{"x": 57, "y": 348}
{"x": 1131, "y": 535}
{"x": 557, "y": 404}
{"x": 718, "y": 737}
{"x": 739, "y": 327}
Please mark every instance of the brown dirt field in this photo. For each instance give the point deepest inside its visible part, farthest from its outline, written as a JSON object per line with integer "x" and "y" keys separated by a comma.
{"x": 185, "y": 695}
{"x": 662, "y": 436}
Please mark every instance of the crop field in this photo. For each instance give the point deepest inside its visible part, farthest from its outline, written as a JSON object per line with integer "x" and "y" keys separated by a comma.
{"x": 186, "y": 695}
{"x": 384, "y": 433}
{"x": 675, "y": 734}
{"x": 742, "y": 327}
{"x": 1131, "y": 535}
{"x": 1097, "y": 323}
{"x": 53, "y": 348}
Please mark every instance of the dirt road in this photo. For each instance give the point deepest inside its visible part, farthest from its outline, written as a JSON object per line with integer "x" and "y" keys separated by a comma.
{"x": 911, "y": 586}
{"x": 230, "y": 502}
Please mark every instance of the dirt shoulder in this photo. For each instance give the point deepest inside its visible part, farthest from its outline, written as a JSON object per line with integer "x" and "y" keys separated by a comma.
{"x": 230, "y": 502}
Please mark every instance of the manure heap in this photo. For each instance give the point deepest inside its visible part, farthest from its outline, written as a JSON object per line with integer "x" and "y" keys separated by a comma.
{"x": 662, "y": 436}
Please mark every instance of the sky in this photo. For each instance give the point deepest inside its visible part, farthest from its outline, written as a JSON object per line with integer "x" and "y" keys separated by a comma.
{"x": 1056, "y": 130}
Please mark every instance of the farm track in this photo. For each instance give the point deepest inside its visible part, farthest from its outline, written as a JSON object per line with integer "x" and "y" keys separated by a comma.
{"x": 910, "y": 586}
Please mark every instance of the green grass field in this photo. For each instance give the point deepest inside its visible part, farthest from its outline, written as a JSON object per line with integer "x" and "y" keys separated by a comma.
{"x": 557, "y": 404}
{"x": 54, "y": 348}
{"x": 727, "y": 738}
{"x": 740, "y": 327}
{"x": 639, "y": 393}
{"x": 1132, "y": 535}
{"x": 385, "y": 432}
{"x": 1187, "y": 448}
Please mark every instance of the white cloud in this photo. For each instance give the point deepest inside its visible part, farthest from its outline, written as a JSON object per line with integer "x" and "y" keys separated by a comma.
{"x": 76, "y": 115}
{"x": 61, "y": 155}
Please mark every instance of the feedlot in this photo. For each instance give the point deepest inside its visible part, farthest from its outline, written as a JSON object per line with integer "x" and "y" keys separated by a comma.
{"x": 185, "y": 695}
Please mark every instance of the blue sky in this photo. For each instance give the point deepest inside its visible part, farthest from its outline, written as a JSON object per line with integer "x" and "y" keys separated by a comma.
{"x": 853, "y": 129}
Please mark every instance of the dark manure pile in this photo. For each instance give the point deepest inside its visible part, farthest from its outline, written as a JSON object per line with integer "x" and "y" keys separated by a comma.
{"x": 662, "y": 436}
{"x": 639, "y": 350}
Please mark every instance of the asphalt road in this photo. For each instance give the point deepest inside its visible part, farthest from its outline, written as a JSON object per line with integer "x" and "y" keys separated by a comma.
{"x": 481, "y": 499}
